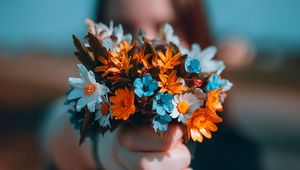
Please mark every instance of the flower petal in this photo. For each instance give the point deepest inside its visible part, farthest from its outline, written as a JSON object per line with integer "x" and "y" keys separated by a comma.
{"x": 196, "y": 136}
{"x": 206, "y": 133}
{"x": 91, "y": 105}
{"x": 212, "y": 65}
{"x": 139, "y": 92}
{"x": 138, "y": 83}
{"x": 83, "y": 71}
{"x": 153, "y": 86}
{"x": 227, "y": 85}
{"x": 91, "y": 76}
{"x": 168, "y": 106}
{"x": 102, "y": 89}
{"x": 208, "y": 53}
{"x": 196, "y": 50}
{"x": 104, "y": 121}
{"x": 127, "y": 37}
{"x": 154, "y": 105}
{"x": 160, "y": 110}
{"x": 75, "y": 93}
{"x": 175, "y": 114}
{"x": 148, "y": 93}
{"x": 81, "y": 103}
{"x": 76, "y": 82}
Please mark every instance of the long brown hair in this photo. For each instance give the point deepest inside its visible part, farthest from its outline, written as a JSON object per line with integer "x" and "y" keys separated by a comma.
{"x": 191, "y": 23}
{"x": 190, "y": 20}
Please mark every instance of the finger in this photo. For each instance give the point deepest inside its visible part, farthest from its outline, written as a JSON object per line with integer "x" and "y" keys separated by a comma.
{"x": 176, "y": 158}
{"x": 143, "y": 138}
{"x": 107, "y": 153}
{"x": 62, "y": 144}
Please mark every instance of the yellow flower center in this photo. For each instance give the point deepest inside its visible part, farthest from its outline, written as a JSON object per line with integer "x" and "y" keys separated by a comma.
{"x": 105, "y": 109}
{"x": 89, "y": 89}
{"x": 183, "y": 107}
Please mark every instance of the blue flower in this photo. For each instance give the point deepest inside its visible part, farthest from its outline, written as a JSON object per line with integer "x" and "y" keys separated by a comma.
{"x": 163, "y": 103}
{"x": 145, "y": 86}
{"x": 215, "y": 82}
{"x": 86, "y": 89}
{"x": 160, "y": 122}
{"x": 192, "y": 65}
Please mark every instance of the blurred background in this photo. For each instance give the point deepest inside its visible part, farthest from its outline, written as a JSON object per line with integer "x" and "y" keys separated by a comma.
{"x": 259, "y": 41}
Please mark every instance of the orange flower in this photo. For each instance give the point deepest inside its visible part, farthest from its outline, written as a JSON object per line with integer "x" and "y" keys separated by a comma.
{"x": 124, "y": 47}
{"x": 202, "y": 123}
{"x": 170, "y": 84}
{"x": 140, "y": 57}
{"x": 213, "y": 100}
{"x": 106, "y": 64}
{"x": 120, "y": 59}
{"x": 123, "y": 104}
{"x": 116, "y": 62}
{"x": 167, "y": 61}
{"x": 122, "y": 63}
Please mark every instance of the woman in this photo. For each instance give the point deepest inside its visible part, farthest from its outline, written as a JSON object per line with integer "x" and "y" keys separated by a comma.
{"x": 127, "y": 148}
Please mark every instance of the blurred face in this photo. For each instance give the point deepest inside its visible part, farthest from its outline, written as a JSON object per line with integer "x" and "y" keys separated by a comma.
{"x": 146, "y": 14}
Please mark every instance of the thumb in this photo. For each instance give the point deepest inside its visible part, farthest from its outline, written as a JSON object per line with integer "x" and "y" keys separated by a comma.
{"x": 107, "y": 152}
{"x": 143, "y": 138}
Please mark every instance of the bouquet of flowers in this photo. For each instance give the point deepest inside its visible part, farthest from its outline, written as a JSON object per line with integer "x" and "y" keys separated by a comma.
{"x": 156, "y": 82}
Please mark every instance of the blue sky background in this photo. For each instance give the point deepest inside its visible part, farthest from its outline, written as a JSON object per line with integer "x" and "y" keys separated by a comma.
{"x": 50, "y": 23}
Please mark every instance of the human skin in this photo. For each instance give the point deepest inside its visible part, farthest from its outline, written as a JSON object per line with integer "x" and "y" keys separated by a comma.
{"x": 140, "y": 148}
{"x": 145, "y": 14}
{"x": 130, "y": 148}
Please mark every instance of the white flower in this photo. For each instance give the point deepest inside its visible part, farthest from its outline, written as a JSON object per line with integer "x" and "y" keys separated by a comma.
{"x": 103, "y": 115}
{"x": 86, "y": 89}
{"x": 184, "y": 105}
{"x": 183, "y": 50}
{"x": 227, "y": 85}
{"x": 104, "y": 33}
{"x": 119, "y": 34}
{"x": 100, "y": 30}
{"x": 205, "y": 56}
{"x": 169, "y": 34}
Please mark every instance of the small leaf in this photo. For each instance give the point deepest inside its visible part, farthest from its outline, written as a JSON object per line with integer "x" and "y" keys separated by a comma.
{"x": 149, "y": 48}
{"x": 96, "y": 47}
{"x": 83, "y": 54}
{"x": 133, "y": 49}
{"x": 85, "y": 125}
{"x": 174, "y": 48}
